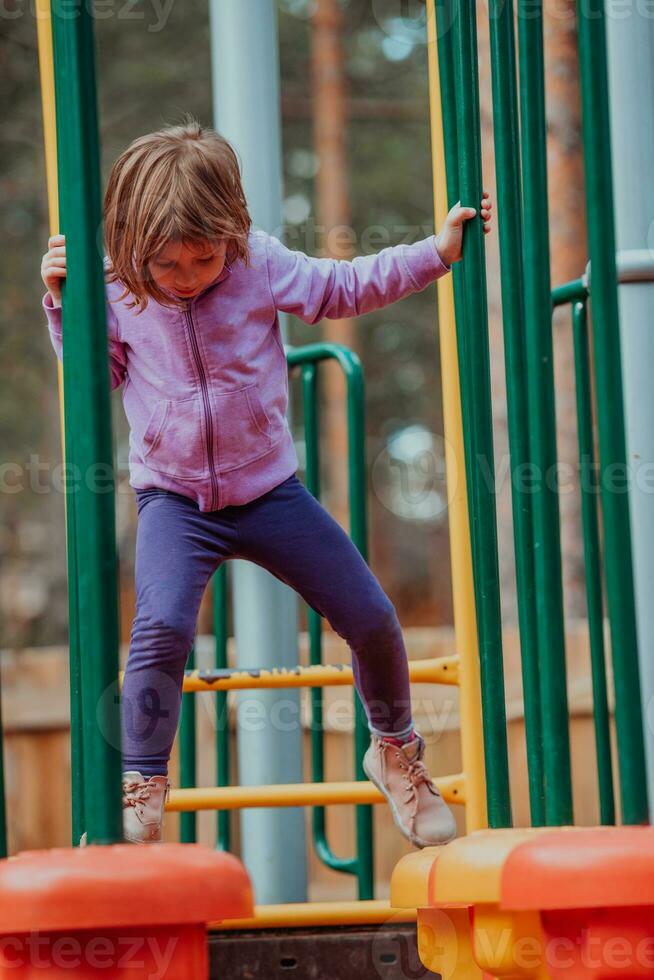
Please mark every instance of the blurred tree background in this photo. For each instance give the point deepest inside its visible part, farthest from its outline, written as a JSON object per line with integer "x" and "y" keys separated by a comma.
{"x": 153, "y": 66}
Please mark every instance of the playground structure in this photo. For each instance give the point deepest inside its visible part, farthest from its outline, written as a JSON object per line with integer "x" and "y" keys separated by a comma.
{"x": 481, "y": 900}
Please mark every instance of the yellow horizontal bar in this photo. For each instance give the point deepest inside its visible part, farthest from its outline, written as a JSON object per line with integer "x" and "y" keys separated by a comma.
{"x": 296, "y": 914}
{"x": 437, "y": 670}
{"x": 293, "y": 794}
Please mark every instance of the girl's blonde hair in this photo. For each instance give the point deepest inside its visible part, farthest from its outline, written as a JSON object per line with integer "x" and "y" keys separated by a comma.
{"x": 181, "y": 183}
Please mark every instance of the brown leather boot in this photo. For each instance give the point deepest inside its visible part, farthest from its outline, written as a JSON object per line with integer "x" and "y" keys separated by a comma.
{"x": 143, "y": 808}
{"x": 417, "y": 806}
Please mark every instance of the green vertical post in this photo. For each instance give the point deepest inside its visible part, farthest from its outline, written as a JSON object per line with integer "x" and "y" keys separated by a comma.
{"x": 540, "y": 377}
{"x": 188, "y": 821}
{"x": 87, "y": 413}
{"x": 444, "y": 38}
{"x": 359, "y": 535}
{"x": 78, "y": 810}
{"x": 474, "y": 365}
{"x": 351, "y": 367}
{"x": 610, "y": 410}
{"x": 592, "y": 561}
{"x": 509, "y": 207}
{"x": 221, "y": 634}
{"x": 78, "y": 821}
{"x": 310, "y": 392}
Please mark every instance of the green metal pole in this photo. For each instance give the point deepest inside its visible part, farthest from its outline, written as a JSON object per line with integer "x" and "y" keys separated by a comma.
{"x": 78, "y": 810}
{"x": 221, "y": 633}
{"x": 569, "y": 292}
{"x": 610, "y": 410}
{"x": 444, "y": 33}
{"x": 359, "y": 534}
{"x": 592, "y": 561}
{"x": 78, "y": 822}
{"x": 474, "y": 365}
{"x": 444, "y": 18}
{"x": 310, "y": 391}
{"x": 540, "y": 376}
{"x": 507, "y": 156}
{"x": 188, "y": 822}
{"x": 87, "y": 413}
{"x": 351, "y": 367}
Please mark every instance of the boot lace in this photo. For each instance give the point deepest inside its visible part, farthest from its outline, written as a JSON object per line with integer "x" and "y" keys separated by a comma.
{"x": 415, "y": 775}
{"x": 135, "y": 792}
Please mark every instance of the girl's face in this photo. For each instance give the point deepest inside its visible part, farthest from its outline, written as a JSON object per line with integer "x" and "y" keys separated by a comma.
{"x": 185, "y": 270}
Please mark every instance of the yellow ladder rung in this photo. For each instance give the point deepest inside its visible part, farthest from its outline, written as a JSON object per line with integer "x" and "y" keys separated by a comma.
{"x": 437, "y": 670}
{"x": 311, "y": 914}
{"x": 228, "y": 679}
{"x": 294, "y": 794}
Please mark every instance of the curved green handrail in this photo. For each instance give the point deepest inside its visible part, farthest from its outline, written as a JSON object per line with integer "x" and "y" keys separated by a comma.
{"x": 308, "y": 358}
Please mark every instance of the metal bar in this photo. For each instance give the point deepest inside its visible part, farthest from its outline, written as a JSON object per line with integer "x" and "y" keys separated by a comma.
{"x": 630, "y": 78}
{"x": 610, "y": 412}
{"x": 356, "y": 452}
{"x": 540, "y": 376}
{"x": 46, "y": 69}
{"x": 452, "y": 789}
{"x": 474, "y": 362}
{"x": 570, "y": 292}
{"x": 246, "y": 111}
{"x": 507, "y": 156}
{"x": 221, "y": 633}
{"x": 593, "y": 562}
{"x": 346, "y": 359}
{"x": 188, "y": 758}
{"x": 87, "y": 413}
{"x": 310, "y": 398}
{"x": 633, "y": 265}
{"x": 351, "y": 368}
{"x": 444, "y": 170}
{"x": 436, "y": 670}
{"x": 314, "y": 914}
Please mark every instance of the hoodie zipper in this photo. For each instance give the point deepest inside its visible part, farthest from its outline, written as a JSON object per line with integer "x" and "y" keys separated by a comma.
{"x": 207, "y": 405}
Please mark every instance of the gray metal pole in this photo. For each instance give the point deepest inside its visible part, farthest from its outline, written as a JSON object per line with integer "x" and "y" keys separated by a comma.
{"x": 630, "y": 44}
{"x": 247, "y": 112}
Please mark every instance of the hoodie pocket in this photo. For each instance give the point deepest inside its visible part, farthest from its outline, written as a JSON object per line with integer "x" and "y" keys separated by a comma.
{"x": 244, "y": 429}
{"x": 173, "y": 441}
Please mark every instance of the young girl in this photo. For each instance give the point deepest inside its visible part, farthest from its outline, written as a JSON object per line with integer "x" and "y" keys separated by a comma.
{"x": 193, "y": 333}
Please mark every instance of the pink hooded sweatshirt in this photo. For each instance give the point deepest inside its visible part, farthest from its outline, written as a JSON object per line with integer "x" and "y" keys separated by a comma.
{"x": 206, "y": 383}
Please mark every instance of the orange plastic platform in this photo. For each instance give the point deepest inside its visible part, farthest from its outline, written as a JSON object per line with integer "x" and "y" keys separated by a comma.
{"x": 595, "y": 895}
{"x": 105, "y": 911}
{"x": 541, "y": 904}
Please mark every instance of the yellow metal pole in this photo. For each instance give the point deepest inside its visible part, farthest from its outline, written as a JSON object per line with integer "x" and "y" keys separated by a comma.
{"x": 294, "y": 794}
{"x": 465, "y": 621}
{"x": 312, "y": 914}
{"x": 439, "y": 670}
{"x": 43, "y": 12}
{"x": 46, "y": 72}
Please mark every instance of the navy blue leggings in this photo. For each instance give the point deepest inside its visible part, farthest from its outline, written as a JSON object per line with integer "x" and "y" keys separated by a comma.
{"x": 288, "y": 532}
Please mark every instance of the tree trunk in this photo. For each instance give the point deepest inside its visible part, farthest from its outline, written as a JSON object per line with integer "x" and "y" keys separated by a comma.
{"x": 334, "y": 232}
